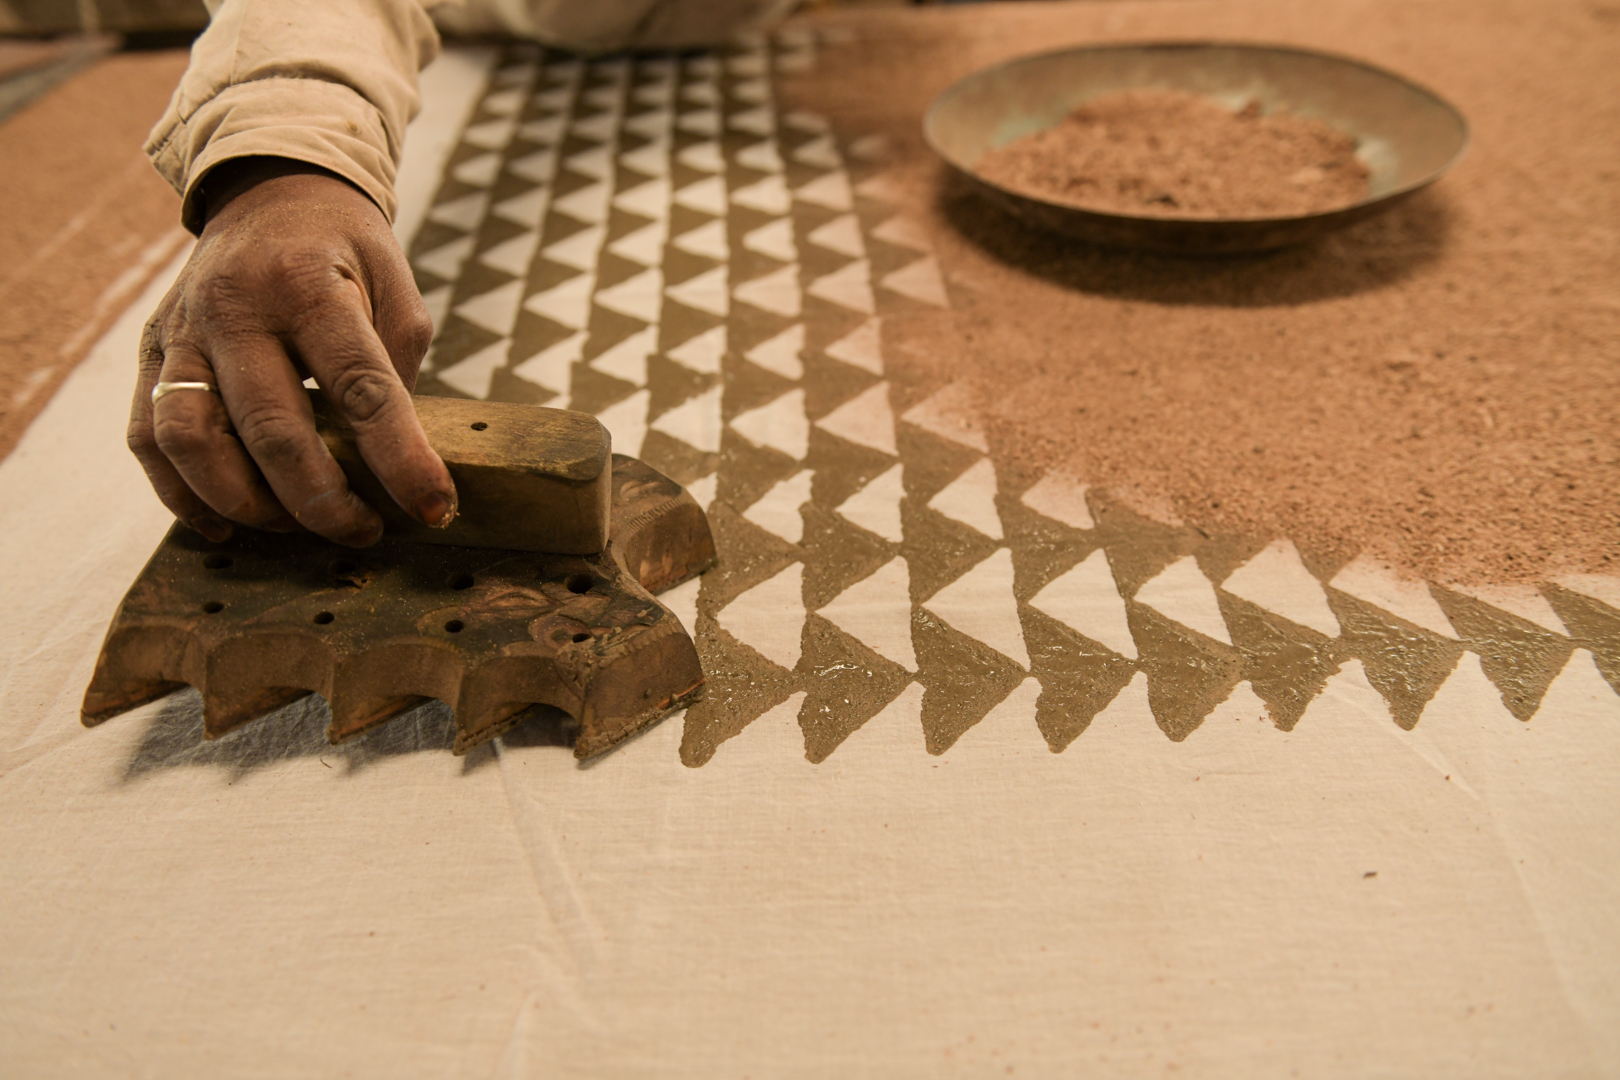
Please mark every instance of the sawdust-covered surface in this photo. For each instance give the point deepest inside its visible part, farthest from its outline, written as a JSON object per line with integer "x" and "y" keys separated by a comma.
{"x": 999, "y": 772}
{"x": 84, "y": 220}
{"x": 1168, "y": 153}
{"x": 1438, "y": 386}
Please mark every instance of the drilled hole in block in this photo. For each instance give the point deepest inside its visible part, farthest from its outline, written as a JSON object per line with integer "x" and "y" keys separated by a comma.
{"x": 580, "y": 583}
{"x": 479, "y": 425}
{"x": 324, "y": 618}
{"x": 581, "y": 637}
{"x": 213, "y": 607}
{"x": 454, "y": 626}
{"x": 217, "y": 562}
{"x": 460, "y": 581}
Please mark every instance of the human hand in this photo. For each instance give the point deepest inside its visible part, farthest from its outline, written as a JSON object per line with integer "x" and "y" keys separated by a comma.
{"x": 296, "y": 274}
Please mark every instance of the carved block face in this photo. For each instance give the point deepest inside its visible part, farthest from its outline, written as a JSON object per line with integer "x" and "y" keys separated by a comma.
{"x": 266, "y": 618}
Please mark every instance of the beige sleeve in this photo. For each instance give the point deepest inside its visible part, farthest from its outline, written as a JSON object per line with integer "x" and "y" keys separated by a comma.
{"x": 595, "y": 26}
{"x": 330, "y": 82}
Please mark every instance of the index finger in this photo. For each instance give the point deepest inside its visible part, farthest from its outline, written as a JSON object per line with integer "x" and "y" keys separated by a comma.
{"x": 341, "y": 349}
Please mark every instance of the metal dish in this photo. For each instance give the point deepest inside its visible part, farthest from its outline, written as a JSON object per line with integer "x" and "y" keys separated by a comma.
{"x": 1407, "y": 136}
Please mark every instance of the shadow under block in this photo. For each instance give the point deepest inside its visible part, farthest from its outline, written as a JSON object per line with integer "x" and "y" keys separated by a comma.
{"x": 527, "y": 478}
{"x": 264, "y": 619}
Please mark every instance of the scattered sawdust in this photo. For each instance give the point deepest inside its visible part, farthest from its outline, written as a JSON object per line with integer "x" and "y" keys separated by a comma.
{"x": 87, "y": 221}
{"x": 1168, "y": 153}
{"x": 1436, "y": 386}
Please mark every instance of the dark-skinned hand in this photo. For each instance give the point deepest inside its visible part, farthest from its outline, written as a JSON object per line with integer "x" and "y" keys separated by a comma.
{"x": 296, "y": 274}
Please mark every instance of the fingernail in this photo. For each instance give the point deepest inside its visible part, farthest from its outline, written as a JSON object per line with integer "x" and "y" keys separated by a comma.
{"x": 211, "y": 527}
{"x": 436, "y": 509}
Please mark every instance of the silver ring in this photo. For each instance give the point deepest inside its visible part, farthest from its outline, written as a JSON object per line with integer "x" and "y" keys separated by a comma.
{"x": 164, "y": 389}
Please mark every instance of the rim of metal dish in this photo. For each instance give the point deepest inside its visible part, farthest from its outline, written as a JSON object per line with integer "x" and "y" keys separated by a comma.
{"x": 940, "y": 99}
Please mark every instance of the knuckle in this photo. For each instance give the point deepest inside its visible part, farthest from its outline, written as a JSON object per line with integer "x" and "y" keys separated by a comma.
{"x": 141, "y": 442}
{"x": 364, "y": 395}
{"x": 418, "y": 333}
{"x": 151, "y": 350}
{"x": 181, "y": 432}
{"x": 272, "y": 433}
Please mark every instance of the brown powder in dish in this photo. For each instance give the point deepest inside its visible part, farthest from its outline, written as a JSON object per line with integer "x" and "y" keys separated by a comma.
{"x": 1166, "y": 153}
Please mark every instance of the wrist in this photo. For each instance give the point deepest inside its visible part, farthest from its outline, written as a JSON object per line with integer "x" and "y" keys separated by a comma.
{"x": 229, "y": 180}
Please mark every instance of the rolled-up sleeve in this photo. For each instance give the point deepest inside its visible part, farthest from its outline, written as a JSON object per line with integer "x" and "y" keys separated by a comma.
{"x": 598, "y": 26}
{"x": 329, "y": 82}
{"x": 333, "y": 82}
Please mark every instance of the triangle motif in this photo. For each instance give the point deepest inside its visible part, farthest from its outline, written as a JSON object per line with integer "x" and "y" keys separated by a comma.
{"x": 580, "y": 251}
{"x": 538, "y": 167}
{"x": 704, "y": 292}
{"x": 776, "y": 292}
{"x": 876, "y": 507}
{"x": 1276, "y": 580}
{"x": 479, "y": 171}
{"x": 768, "y": 196}
{"x": 849, "y": 286}
{"x": 588, "y": 205}
{"x": 769, "y": 618}
{"x": 640, "y": 297}
{"x": 921, "y": 281}
{"x": 842, "y": 235}
{"x": 1381, "y": 585}
{"x": 473, "y": 375}
{"x": 703, "y": 156}
{"x": 775, "y": 239}
{"x": 706, "y": 196}
{"x": 495, "y": 310}
{"x": 628, "y": 359}
{"x": 1061, "y": 498}
{"x": 445, "y": 261}
{"x": 527, "y": 209}
{"x": 702, "y": 353}
{"x": 861, "y": 347}
{"x": 567, "y": 303}
{"x": 876, "y": 611}
{"x": 980, "y": 604}
{"x": 552, "y": 368}
{"x": 1182, "y": 593}
{"x": 971, "y": 499}
{"x": 779, "y": 425}
{"x": 951, "y": 414}
{"x": 781, "y": 354}
{"x": 708, "y": 240}
{"x": 830, "y": 190}
{"x": 820, "y": 153}
{"x": 1086, "y": 600}
{"x": 626, "y": 422}
{"x": 512, "y": 256}
{"x": 644, "y": 246}
{"x": 464, "y": 213}
{"x": 777, "y": 511}
{"x": 695, "y": 421}
{"x": 864, "y": 419}
{"x": 649, "y": 200}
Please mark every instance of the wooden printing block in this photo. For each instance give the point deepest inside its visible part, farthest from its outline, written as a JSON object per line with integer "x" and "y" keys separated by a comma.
{"x": 264, "y": 619}
{"x": 527, "y": 478}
